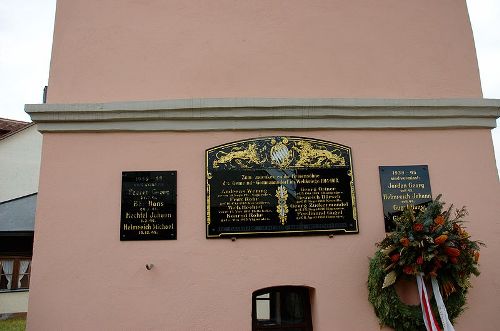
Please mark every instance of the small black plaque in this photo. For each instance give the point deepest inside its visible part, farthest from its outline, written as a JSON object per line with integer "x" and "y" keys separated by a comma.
{"x": 403, "y": 186}
{"x": 275, "y": 186}
{"x": 148, "y": 210}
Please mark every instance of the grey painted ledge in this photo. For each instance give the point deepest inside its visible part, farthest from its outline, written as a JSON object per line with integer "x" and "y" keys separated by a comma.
{"x": 255, "y": 114}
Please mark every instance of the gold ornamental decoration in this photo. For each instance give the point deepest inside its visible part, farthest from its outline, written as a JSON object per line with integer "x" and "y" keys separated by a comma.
{"x": 282, "y": 208}
{"x": 279, "y": 185}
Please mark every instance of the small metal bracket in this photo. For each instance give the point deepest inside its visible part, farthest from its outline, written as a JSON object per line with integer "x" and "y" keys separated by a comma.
{"x": 149, "y": 266}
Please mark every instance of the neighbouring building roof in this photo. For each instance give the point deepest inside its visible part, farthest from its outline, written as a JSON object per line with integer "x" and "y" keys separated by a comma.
{"x": 18, "y": 214}
{"x": 8, "y": 126}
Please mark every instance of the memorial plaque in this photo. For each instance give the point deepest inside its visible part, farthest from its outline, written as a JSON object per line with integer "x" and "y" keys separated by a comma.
{"x": 275, "y": 186}
{"x": 403, "y": 186}
{"x": 148, "y": 210}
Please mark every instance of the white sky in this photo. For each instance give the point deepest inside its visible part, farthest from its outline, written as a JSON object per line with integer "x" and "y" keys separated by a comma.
{"x": 26, "y": 28}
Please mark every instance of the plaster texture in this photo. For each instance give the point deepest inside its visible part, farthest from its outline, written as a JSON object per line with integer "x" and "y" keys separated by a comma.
{"x": 84, "y": 278}
{"x": 20, "y": 155}
{"x": 14, "y": 302}
{"x": 108, "y": 50}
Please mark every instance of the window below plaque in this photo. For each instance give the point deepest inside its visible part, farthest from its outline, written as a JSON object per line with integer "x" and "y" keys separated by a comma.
{"x": 281, "y": 308}
{"x": 16, "y": 250}
{"x": 14, "y": 273}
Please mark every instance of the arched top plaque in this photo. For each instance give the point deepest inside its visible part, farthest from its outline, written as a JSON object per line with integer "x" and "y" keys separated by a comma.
{"x": 279, "y": 185}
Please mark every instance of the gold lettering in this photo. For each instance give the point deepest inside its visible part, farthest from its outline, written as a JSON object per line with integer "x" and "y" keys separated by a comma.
{"x": 155, "y": 203}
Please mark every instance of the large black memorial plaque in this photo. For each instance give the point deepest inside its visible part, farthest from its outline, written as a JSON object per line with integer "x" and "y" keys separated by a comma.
{"x": 148, "y": 210}
{"x": 403, "y": 186}
{"x": 280, "y": 186}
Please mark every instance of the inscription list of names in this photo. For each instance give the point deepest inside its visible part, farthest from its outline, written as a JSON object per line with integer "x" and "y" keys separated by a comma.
{"x": 403, "y": 186}
{"x": 148, "y": 210}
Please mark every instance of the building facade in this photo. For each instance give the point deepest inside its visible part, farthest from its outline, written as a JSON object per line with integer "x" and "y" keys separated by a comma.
{"x": 155, "y": 86}
{"x": 20, "y": 151}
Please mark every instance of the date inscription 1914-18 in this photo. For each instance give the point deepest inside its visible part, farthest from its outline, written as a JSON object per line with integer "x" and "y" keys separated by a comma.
{"x": 148, "y": 210}
{"x": 403, "y": 186}
{"x": 279, "y": 186}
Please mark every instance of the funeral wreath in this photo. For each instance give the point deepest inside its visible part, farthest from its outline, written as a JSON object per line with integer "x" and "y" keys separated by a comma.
{"x": 432, "y": 247}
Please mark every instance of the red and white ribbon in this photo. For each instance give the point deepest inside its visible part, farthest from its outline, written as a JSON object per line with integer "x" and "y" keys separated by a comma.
{"x": 429, "y": 320}
{"x": 443, "y": 314}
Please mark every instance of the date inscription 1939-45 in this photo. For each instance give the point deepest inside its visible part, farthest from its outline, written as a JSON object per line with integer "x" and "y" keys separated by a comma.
{"x": 148, "y": 209}
{"x": 403, "y": 186}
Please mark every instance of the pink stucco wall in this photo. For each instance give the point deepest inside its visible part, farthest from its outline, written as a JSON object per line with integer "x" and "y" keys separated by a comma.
{"x": 84, "y": 278}
{"x": 108, "y": 50}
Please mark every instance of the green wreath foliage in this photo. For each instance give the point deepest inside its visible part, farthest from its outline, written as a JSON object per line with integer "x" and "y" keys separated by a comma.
{"x": 394, "y": 313}
{"x": 433, "y": 243}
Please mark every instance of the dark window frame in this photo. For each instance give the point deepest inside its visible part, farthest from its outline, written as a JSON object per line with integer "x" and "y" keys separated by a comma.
{"x": 306, "y": 325}
{"x": 15, "y": 272}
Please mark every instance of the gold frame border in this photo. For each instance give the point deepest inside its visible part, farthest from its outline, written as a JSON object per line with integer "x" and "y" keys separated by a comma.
{"x": 305, "y": 232}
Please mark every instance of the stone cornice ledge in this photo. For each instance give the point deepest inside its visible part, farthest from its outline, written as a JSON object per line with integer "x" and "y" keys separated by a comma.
{"x": 255, "y": 114}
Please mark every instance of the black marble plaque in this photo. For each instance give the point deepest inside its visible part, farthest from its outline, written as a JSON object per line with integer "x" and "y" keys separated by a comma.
{"x": 275, "y": 186}
{"x": 148, "y": 210}
{"x": 403, "y": 186}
